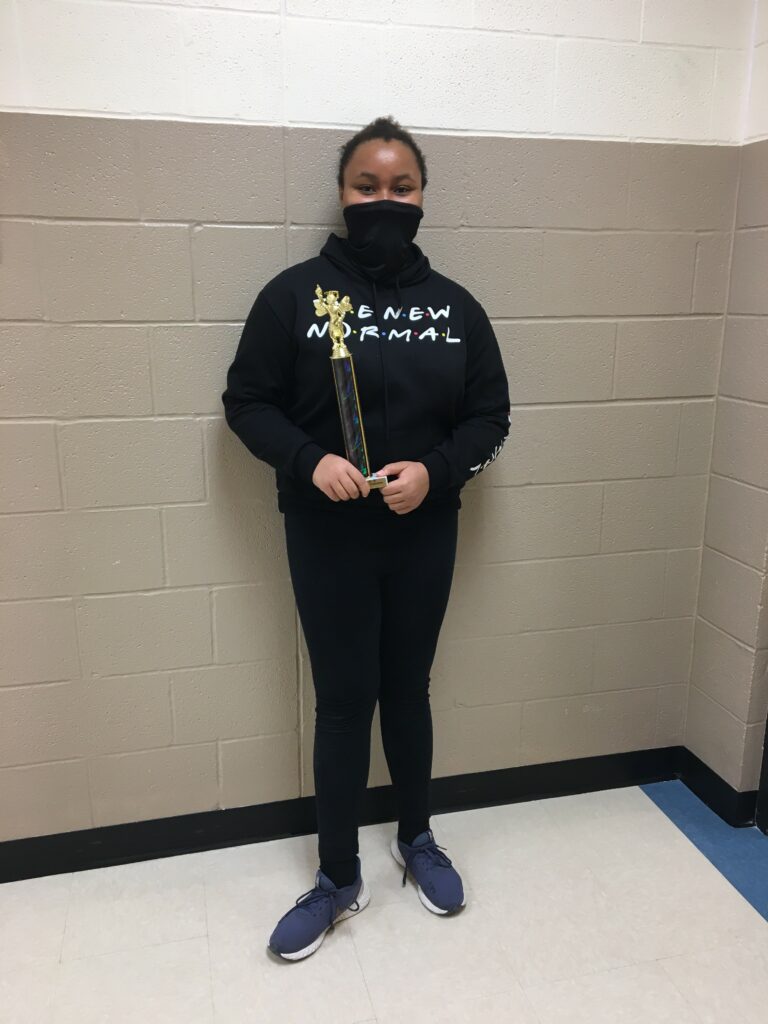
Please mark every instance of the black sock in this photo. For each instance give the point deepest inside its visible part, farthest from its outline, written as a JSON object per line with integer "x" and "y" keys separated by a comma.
{"x": 406, "y": 834}
{"x": 340, "y": 872}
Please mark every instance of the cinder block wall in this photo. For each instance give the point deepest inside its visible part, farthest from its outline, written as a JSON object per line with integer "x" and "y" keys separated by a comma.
{"x": 728, "y": 698}
{"x": 152, "y": 659}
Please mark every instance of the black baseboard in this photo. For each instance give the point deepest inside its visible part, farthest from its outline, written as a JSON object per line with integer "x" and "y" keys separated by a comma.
{"x": 205, "y": 830}
{"x": 738, "y": 809}
{"x": 761, "y": 811}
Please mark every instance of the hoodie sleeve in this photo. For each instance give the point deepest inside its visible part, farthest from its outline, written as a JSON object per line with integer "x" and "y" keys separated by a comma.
{"x": 484, "y": 422}
{"x": 259, "y": 381}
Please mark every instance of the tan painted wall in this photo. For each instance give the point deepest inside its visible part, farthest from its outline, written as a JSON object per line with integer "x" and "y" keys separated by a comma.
{"x": 152, "y": 663}
{"x": 729, "y": 678}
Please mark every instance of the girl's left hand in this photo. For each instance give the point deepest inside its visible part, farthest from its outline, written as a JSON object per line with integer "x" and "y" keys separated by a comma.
{"x": 409, "y": 489}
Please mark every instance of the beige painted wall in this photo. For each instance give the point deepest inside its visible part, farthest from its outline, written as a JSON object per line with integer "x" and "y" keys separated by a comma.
{"x": 729, "y": 679}
{"x": 153, "y": 664}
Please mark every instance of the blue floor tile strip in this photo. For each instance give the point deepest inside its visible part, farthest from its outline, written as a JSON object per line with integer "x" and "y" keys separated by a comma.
{"x": 740, "y": 854}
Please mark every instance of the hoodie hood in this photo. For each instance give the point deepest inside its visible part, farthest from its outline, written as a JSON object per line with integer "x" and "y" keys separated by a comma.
{"x": 338, "y": 251}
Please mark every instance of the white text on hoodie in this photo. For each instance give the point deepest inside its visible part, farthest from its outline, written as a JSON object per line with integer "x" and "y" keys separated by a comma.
{"x": 416, "y": 313}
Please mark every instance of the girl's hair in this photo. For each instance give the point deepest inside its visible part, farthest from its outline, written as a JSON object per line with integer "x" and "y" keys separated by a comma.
{"x": 382, "y": 128}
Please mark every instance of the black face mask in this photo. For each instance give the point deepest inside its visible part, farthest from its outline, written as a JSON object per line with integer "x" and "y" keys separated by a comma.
{"x": 380, "y": 233}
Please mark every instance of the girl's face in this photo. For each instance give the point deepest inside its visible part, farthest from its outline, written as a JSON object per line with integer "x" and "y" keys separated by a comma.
{"x": 382, "y": 170}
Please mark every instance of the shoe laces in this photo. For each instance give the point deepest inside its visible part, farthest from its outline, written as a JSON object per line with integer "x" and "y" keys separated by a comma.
{"x": 431, "y": 850}
{"x": 313, "y": 897}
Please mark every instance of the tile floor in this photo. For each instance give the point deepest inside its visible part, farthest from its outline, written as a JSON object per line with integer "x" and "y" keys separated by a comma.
{"x": 588, "y": 909}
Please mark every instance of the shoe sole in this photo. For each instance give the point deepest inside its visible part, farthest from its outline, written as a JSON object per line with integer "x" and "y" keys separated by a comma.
{"x": 363, "y": 899}
{"x": 395, "y": 851}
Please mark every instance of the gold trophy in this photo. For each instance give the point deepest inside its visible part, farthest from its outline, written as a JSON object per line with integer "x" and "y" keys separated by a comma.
{"x": 328, "y": 304}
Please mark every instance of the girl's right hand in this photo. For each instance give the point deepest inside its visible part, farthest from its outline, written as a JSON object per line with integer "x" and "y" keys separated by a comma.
{"x": 338, "y": 479}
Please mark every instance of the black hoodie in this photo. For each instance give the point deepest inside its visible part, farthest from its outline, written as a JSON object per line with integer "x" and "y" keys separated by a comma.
{"x": 431, "y": 381}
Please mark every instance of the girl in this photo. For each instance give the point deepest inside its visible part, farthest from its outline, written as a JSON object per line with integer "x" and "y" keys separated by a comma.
{"x": 371, "y": 568}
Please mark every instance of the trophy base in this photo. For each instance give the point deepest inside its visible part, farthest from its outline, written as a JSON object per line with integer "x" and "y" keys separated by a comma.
{"x": 377, "y": 480}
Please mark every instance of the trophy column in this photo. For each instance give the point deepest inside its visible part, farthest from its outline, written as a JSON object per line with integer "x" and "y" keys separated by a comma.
{"x": 345, "y": 382}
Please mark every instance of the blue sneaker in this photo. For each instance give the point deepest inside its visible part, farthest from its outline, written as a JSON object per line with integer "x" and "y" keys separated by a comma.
{"x": 438, "y": 881}
{"x": 300, "y": 931}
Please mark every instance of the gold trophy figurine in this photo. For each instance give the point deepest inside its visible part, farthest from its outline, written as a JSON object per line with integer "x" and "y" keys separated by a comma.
{"x": 328, "y": 304}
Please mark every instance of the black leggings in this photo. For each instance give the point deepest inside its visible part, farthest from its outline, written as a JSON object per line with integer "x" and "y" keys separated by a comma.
{"x": 371, "y": 593}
